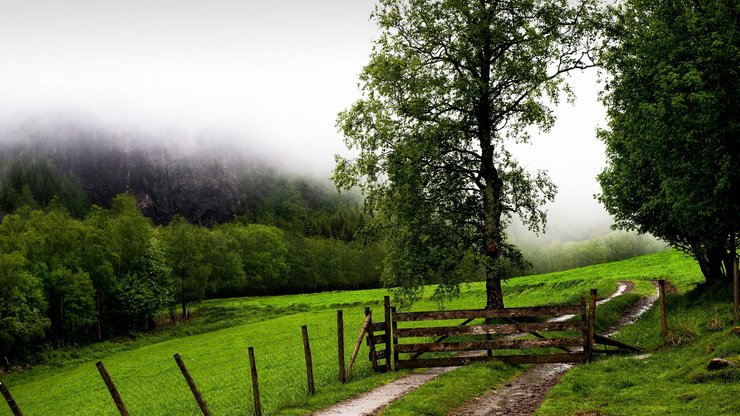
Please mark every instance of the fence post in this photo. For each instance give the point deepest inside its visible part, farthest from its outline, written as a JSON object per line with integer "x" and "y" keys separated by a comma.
{"x": 736, "y": 286}
{"x": 591, "y": 322}
{"x": 255, "y": 385}
{"x": 340, "y": 346}
{"x": 584, "y": 320}
{"x": 9, "y": 398}
{"x": 191, "y": 384}
{"x": 112, "y": 389}
{"x": 388, "y": 340}
{"x": 663, "y": 317}
{"x": 309, "y": 362}
{"x": 394, "y": 325}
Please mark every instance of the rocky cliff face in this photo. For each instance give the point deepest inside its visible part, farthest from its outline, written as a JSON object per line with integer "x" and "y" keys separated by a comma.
{"x": 199, "y": 186}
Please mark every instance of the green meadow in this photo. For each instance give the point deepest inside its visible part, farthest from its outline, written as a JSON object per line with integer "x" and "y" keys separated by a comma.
{"x": 214, "y": 348}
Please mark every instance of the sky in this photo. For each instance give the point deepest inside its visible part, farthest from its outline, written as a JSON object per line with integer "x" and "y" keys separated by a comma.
{"x": 273, "y": 74}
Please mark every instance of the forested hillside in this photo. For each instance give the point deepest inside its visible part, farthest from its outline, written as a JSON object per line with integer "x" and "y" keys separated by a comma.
{"x": 207, "y": 183}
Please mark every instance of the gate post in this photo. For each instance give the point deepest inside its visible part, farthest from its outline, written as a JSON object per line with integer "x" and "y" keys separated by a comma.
{"x": 371, "y": 344}
{"x": 663, "y": 317}
{"x": 591, "y": 322}
{"x": 584, "y": 320}
{"x": 388, "y": 340}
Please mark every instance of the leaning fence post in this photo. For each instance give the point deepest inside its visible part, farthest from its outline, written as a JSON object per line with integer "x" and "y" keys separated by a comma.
{"x": 112, "y": 389}
{"x": 358, "y": 344}
{"x": 340, "y": 345}
{"x": 309, "y": 362}
{"x": 9, "y": 398}
{"x": 591, "y": 322}
{"x": 191, "y": 384}
{"x": 388, "y": 341}
{"x": 255, "y": 385}
{"x": 663, "y": 317}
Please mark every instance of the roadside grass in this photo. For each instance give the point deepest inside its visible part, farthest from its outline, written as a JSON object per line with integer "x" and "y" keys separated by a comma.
{"x": 214, "y": 348}
{"x": 674, "y": 378}
{"x": 452, "y": 389}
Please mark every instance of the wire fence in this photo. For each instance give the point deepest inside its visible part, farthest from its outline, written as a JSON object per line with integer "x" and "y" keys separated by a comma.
{"x": 157, "y": 386}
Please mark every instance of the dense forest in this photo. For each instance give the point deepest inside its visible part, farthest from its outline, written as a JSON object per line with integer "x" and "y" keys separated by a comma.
{"x": 68, "y": 281}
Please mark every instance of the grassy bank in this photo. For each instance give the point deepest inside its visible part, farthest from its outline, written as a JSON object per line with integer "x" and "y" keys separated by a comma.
{"x": 673, "y": 379}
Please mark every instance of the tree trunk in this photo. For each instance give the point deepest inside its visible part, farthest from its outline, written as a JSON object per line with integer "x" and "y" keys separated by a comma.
{"x": 493, "y": 207}
{"x": 492, "y": 204}
{"x": 494, "y": 295}
{"x": 710, "y": 264}
{"x": 173, "y": 319}
{"x": 97, "y": 307}
{"x": 182, "y": 299}
{"x": 61, "y": 321}
{"x": 729, "y": 259}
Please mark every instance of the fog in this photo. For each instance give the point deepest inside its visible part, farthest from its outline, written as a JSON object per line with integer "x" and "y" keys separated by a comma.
{"x": 265, "y": 76}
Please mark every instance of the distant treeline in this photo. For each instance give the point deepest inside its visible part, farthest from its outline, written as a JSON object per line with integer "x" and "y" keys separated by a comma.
{"x": 264, "y": 196}
{"x": 68, "y": 280}
{"x": 617, "y": 245}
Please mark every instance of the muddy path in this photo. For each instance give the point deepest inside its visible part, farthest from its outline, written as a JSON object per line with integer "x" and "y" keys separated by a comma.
{"x": 540, "y": 377}
{"x": 524, "y": 395}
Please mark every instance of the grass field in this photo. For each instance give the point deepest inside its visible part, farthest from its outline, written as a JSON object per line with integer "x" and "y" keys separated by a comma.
{"x": 214, "y": 349}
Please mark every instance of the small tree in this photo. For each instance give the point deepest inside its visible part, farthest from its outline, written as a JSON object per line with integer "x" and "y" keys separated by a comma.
{"x": 185, "y": 248}
{"x": 672, "y": 143}
{"x": 448, "y": 85}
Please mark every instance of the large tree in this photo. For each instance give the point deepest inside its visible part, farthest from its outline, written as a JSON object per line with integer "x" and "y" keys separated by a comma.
{"x": 448, "y": 85}
{"x": 672, "y": 141}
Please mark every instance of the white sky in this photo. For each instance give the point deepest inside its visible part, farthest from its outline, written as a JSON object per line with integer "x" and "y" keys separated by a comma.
{"x": 273, "y": 72}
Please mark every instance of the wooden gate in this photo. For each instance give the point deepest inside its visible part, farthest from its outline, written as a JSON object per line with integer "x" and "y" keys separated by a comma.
{"x": 521, "y": 336}
{"x": 512, "y": 335}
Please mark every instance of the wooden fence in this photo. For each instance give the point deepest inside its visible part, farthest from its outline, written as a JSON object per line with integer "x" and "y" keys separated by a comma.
{"x": 198, "y": 396}
{"x": 512, "y": 335}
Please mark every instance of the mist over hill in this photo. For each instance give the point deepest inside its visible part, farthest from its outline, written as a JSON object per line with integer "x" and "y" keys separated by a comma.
{"x": 206, "y": 180}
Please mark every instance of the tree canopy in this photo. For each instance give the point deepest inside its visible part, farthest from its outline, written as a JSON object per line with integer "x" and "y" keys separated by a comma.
{"x": 672, "y": 140}
{"x": 66, "y": 281}
{"x": 448, "y": 85}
